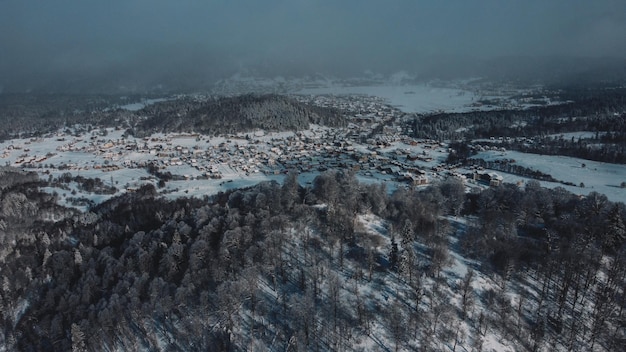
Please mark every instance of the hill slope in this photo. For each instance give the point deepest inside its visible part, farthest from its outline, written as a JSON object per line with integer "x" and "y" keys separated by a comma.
{"x": 335, "y": 266}
{"x": 236, "y": 114}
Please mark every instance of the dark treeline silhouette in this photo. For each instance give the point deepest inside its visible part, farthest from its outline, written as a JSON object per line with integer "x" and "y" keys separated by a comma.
{"x": 270, "y": 267}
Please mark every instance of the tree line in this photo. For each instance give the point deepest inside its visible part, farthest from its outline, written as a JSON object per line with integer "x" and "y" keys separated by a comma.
{"x": 597, "y": 110}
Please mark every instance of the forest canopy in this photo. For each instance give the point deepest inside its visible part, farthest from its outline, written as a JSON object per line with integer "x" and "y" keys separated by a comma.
{"x": 143, "y": 272}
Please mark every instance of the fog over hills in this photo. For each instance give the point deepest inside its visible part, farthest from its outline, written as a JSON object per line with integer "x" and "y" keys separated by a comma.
{"x": 134, "y": 46}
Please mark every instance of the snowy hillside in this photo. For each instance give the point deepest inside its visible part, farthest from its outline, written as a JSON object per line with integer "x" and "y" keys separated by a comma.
{"x": 337, "y": 265}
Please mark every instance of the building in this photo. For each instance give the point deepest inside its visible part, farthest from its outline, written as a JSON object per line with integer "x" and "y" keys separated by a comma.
{"x": 490, "y": 178}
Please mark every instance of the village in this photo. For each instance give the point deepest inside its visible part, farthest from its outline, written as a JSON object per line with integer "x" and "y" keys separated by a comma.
{"x": 373, "y": 145}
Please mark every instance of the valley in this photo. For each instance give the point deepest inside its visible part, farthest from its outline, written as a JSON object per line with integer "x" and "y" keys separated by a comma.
{"x": 314, "y": 222}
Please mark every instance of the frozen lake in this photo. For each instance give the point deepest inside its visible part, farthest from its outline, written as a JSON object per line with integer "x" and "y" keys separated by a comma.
{"x": 408, "y": 98}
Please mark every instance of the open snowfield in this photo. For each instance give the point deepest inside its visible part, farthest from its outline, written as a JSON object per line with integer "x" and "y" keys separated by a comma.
{"x": 596, "y": 176}
{"x": 199, "y": 188}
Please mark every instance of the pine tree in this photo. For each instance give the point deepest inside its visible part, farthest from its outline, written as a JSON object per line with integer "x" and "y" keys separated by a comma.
{"x": 467, "y": 292}
{"x": 393, "y": 254}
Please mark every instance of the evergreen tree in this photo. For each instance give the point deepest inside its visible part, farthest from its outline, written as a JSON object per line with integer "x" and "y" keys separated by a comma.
{"x": 394, "y": 255}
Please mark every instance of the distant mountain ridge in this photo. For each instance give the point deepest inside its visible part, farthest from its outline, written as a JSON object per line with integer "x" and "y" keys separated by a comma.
{"x": 236, "y": 114}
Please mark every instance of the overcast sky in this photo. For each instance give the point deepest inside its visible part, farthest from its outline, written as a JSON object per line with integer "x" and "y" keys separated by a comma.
{"x": 86, "y": 39}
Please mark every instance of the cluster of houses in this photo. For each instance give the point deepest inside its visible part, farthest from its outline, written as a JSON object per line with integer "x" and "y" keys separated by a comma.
{"x": 372, "y": 144}
{"x": 272, "y": 155}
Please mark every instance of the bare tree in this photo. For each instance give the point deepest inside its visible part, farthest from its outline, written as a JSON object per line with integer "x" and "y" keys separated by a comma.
{"x": 78, "y": 339}
{"x": 453, "y": 191}
{"x": 396, "y": 324}
{"x": 467, "y": 292}
{"x": 334, "y": 291}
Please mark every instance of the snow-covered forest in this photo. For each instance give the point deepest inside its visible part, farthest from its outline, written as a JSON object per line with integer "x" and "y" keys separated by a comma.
{"x": 336, "y": 265}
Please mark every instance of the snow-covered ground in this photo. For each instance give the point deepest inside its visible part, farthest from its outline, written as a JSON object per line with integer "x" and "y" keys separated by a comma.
{"x": 393, "y": 288}
{"x": 596, "y": 176}
{"x": 429, "y": 98}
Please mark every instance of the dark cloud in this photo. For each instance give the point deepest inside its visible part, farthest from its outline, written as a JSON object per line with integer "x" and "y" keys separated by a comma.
{"x": 144, "y": 42}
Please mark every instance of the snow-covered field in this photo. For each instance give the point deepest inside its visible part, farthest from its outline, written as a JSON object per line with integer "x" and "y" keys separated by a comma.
{"x": 596, "y": 176}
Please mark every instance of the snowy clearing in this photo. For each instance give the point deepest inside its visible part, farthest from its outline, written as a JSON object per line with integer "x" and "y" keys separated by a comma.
{"x": 596, "y": 176}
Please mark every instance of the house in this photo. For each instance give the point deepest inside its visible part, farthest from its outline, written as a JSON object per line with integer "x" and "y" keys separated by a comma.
{"x": 490, "y": 178}
{"x": 414, "y": 180}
